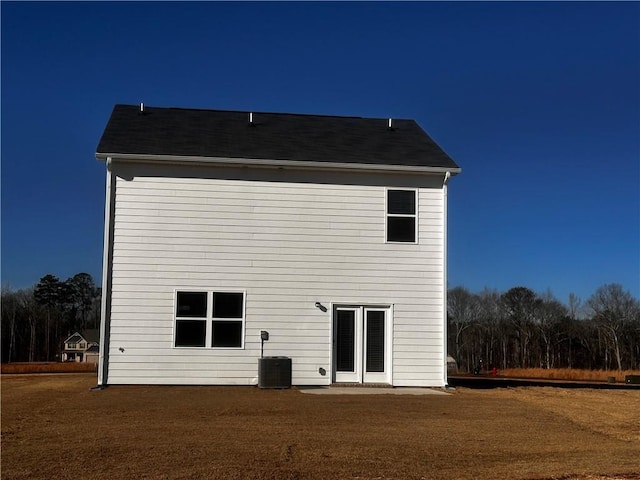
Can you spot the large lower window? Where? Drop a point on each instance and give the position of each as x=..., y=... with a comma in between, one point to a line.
x=401, y=216
x=213, y=319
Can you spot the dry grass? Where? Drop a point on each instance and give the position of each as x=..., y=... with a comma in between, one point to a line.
x=55, y=427
x=48, y=367
x=606, y=414
x=567, y=374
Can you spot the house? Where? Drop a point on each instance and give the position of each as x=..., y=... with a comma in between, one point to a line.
x=92, y=355
x=329, y=233
x=82, y=347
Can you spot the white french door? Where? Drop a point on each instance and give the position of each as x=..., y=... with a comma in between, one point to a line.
x=362, y=344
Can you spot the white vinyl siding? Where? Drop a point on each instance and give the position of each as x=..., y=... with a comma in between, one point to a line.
x=286, y=245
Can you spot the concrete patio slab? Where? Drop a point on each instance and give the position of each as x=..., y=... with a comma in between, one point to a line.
x=371, y=391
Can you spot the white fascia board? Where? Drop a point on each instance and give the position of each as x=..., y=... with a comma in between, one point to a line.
x=269, y=163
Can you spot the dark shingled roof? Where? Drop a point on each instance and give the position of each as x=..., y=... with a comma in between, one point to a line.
x=91, y=335
x=272, y=136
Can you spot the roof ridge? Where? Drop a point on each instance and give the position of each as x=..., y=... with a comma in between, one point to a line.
x=355, y=117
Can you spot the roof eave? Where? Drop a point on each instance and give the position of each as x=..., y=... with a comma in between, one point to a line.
x=271, y=163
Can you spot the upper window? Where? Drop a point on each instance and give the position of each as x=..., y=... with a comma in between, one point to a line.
x=401, y=216
x=209, y=318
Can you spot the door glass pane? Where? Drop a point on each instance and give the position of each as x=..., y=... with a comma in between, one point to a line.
x=345, y=340
x=375, y=341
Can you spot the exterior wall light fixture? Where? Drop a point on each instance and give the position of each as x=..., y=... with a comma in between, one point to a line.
x=321, y=307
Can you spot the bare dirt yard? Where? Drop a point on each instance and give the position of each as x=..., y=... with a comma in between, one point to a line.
x=54, y=427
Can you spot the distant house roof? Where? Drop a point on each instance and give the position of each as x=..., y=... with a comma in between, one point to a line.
x=194, y=133
x=74, y=338
x=93, y=349
x=91, y=336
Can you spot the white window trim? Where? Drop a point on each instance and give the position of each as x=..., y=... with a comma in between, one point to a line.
x=209, y=317
x=403, y=215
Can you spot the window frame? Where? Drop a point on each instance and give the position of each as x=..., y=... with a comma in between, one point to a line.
x=211, y=319
x=400, y=215
x=208, y=318
x=177, y=318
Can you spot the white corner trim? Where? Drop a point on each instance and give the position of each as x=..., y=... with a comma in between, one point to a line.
x=444, y=278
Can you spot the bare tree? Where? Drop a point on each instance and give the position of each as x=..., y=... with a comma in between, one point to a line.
x=549, y=313
x=575, y=306
x=519, y=304
x=30, y=312
x=9, y=314
x=463, y=313
x=492, y=321
x=613, y=309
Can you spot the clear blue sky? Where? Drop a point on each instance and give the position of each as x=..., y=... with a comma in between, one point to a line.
x=538, y=102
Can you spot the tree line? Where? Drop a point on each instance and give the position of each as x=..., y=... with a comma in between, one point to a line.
x=515, y=329
x=37, y=320
x=522, y=329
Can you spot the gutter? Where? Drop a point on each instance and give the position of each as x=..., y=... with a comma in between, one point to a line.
x=105, y=317
x=269, y=163
x=444, y=274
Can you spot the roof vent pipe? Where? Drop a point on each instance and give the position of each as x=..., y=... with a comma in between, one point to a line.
x=141, y=107
x=250, y=118
x=390, y=126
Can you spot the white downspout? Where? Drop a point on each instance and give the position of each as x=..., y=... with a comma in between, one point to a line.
x=105, y=315
x=444, y=275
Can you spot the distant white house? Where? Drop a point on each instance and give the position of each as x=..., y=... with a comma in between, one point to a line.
x=330, y=233
x=82, y=347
